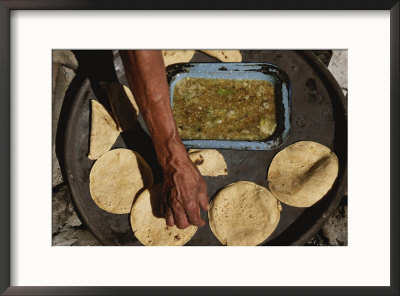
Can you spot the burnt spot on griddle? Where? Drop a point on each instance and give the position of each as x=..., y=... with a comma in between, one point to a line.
x=300, y=121
x=311, y=84
x=315, y=97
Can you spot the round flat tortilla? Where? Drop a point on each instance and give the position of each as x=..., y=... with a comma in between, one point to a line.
x=131, y=99
x=210, y=162
x=244, y=214
x=150, y=226
x=302, y=173
x=116, y=178
x=103, y=131
x=177, y=56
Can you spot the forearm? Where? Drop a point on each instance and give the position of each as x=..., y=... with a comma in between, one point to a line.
x=146, y=76
x=184, y=189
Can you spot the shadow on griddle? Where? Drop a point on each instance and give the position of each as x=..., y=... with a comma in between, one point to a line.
x=138, y=140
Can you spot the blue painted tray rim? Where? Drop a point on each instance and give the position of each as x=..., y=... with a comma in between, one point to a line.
x=263, y=71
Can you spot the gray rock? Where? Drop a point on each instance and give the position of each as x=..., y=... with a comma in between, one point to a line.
x=70, y=236
x=61, y=204
x=67, y=228
x=335, y=229
x=73, y=220
x=65, y=58
x=338, y=68
x=62, y=82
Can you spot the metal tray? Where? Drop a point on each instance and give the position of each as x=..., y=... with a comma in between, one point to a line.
x=318, y=114
x=255, y=71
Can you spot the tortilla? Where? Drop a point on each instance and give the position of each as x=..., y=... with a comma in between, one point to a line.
x=124, y=107
x=225, y=55
x=103, y=131
x=302, y=173
x=243, y=214
x=150, y=226
x=131, y=99
x=210, y=162
x=177, y=56
x=116, y=178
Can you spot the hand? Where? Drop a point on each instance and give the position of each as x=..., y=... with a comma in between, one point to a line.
x=184, y=192
x=184, y=189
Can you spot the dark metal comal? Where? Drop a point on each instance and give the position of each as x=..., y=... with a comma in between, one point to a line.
x=318, y=114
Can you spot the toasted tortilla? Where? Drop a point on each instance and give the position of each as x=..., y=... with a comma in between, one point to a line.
x=103, y=131
x=244, y=214
x=302, y=173
x=150, y=226
x=131, y=99
x=210, y=162
x=116, y=178
x=177, y=56
x=225, y=55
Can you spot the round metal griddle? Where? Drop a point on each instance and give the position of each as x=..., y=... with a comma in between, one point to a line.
x=318, y=114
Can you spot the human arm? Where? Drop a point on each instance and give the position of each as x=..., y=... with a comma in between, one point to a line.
x=184, y=189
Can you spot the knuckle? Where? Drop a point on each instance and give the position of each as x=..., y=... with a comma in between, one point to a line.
x=190, y=205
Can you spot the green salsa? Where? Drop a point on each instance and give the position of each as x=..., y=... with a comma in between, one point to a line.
x=228, y=109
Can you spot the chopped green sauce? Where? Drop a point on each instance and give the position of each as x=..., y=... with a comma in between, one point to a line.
x=225, y=109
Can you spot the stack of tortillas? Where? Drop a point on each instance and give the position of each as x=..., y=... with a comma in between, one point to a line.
x=149, y=225
x=243, y=214
x=116, y=178
x=177, y=56
x=302, y=173
x=184, y=56
x=104, y=130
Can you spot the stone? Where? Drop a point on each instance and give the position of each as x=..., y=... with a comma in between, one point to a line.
x=67, y=228
x=338, y=67
x=61, y=209
x=62, y=82
x=65, y=58
x=335, y=229
x=70, y=236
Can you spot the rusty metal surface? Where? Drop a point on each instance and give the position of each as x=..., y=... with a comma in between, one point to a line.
x=316, y=109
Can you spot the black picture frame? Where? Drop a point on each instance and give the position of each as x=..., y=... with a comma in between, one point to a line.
x=7, y=6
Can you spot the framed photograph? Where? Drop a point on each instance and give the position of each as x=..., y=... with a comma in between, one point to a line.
x=294, y=106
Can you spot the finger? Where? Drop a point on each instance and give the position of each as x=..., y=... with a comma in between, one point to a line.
x=169, y=217
x=179, y=214
x=196, y=221
x=202, y=196
x=193, y=214
x=203, y=201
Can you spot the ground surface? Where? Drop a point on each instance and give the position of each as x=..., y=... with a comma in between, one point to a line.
x=68, y=230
